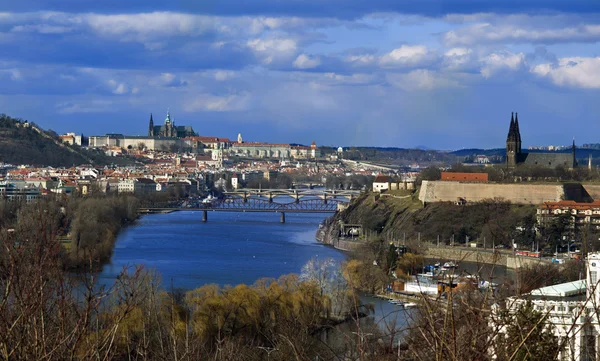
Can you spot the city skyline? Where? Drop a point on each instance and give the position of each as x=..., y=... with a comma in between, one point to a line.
x=445, y=75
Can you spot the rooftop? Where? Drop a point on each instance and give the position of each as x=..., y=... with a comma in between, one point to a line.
x=568, y=289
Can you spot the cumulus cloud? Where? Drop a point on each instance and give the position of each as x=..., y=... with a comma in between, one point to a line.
x=575, y=72
x=501, y=61
x=406, y=55
x=304, y=61
x=270, y=50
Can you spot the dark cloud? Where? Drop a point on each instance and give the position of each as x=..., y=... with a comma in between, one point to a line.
x=312, y=8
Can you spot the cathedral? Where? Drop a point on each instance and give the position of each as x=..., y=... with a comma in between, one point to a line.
x=169, y=129
x=515, y=156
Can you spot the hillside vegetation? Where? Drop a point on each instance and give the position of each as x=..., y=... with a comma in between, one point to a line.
x=26, y=143
x=399, y=217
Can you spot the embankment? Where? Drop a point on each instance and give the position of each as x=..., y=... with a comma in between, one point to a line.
x=503, y=258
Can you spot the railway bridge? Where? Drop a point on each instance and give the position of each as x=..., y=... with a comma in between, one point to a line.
x=262, y=200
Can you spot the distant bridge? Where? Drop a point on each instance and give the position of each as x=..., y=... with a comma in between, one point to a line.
x=263, y=200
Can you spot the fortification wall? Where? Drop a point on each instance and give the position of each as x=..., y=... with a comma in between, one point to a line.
x=443, y=191
x=593, y=190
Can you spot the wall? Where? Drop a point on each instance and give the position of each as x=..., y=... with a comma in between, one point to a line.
x=444, y=191
x=593, y=190
x=503, y=258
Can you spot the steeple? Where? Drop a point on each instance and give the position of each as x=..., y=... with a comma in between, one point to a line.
x=513, y=142
x=168, y=119
x=517, y=131
x=151, y=127
x=574, y=155
x=511, y=129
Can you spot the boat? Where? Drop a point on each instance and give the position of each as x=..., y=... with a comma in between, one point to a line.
x=396, y=302
x=448, y=266
x=410, y=305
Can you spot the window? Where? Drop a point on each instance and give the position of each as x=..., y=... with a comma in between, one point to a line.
x=593, y=278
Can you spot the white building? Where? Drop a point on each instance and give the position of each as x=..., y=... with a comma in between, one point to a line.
x=572, y=311
x=381, y=183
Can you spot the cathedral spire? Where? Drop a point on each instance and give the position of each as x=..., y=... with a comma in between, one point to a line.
x=511, y=129
x=517, y=131
x=151, y=127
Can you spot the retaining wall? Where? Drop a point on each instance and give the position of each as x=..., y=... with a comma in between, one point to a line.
x=444, y=191
x=481, y=256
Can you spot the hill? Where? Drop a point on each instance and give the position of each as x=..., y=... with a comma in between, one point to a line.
x=403, y=216
x=22, y=142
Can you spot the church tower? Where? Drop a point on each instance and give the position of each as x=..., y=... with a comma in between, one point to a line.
x=151, y=127
x=513, y=142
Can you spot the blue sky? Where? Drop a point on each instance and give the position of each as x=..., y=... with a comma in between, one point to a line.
x=446, y=74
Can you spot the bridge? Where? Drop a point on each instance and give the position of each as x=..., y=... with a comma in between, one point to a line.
x=262, y=200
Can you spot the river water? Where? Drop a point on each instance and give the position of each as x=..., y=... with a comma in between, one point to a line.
x=229, y=249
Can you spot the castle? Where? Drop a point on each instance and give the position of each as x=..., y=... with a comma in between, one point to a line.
x=515, y=156
x=169, y=129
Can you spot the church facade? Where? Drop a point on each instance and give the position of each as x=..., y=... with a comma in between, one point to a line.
x=169, y=129
x=515, y=156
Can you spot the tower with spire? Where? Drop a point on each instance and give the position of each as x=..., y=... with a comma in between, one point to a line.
x=151, y=127
x=513, y=142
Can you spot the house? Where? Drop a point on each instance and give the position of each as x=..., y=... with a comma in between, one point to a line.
x=570, y=311
x=381, y=183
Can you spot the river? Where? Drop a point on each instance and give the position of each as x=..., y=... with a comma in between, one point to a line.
x=229, y=249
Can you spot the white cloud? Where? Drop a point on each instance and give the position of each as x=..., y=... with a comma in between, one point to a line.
x=459, y=59
x=501, y=61
x=485, y=33
x=271, y=50
x=214, y=103
x=575, y=71
x=222, y=75
x=118, y=88
x=304, y=61
x=406, y=55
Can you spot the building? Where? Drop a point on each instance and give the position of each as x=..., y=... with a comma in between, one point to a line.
x=110, y=141
x=169, y=129
x=71, y=138
x=381, y=183
x=136, y=186
x=571, y=311
x=579, y=214
x=465, y=177
x=261, y=150
x=515, y=155
x=12, y=192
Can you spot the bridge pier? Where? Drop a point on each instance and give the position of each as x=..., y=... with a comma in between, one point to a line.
x=270, y=197
x=282, y=217
x=204, y=215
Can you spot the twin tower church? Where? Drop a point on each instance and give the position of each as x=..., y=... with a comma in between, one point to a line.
x=169, y=129
x=515, y=156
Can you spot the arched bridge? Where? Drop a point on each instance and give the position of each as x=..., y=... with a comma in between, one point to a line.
x=296, y=194
x=262, y=200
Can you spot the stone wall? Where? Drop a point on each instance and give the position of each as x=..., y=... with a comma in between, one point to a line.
x=502, y=258
x=444, y=191
x=593, y=190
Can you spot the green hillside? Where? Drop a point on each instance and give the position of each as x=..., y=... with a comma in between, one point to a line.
x=25, y=143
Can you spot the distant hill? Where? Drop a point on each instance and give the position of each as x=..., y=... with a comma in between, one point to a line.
x=478, y=151
x=22, y=142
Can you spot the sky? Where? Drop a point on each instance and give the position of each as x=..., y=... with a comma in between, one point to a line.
x=389, y=73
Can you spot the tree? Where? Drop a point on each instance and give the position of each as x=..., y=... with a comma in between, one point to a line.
x=526, y=336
